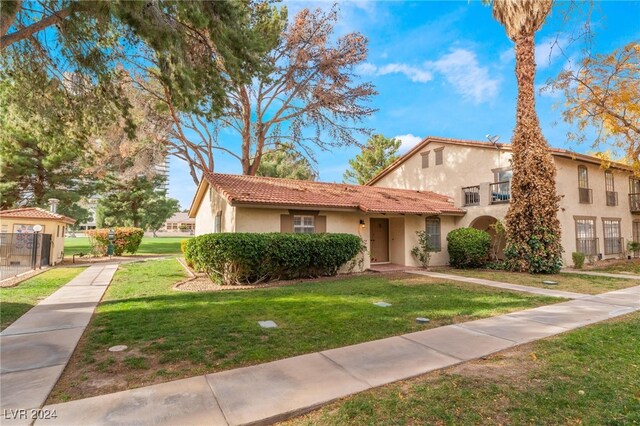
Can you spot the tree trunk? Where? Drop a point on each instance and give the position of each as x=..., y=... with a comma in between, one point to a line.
x=533, y=229
x=246, y=130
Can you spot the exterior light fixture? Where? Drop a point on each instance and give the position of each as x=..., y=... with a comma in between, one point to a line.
x=361, y=223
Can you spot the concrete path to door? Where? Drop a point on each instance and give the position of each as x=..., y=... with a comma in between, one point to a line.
x=266, y=393
x=497, y=284
x=36, y=348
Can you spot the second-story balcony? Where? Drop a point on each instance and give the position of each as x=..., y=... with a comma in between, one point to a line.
x=486, y=194
x=612, y=198
x=634, y=202
x=500, y=192
x=585, y=195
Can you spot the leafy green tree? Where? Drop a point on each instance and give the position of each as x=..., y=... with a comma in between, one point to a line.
x=287, y=164
x=196, y=44
x=134, y=203
x=377, y=154
x=157, y=211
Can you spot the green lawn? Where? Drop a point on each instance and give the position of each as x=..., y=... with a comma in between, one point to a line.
x=587, y=284
x=15, y=301
x=632, y=266
x=149, y=245
x=172, y=334
x=590, y=376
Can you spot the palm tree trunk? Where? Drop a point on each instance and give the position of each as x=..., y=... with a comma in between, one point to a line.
x=533, y=238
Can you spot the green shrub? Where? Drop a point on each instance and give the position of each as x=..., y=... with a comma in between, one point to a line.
x=250, y=258
x=468, y=248
x=578, y=259
x=126, y=240
x=422, y=252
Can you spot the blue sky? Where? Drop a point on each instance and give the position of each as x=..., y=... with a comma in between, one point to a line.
x=447, y=69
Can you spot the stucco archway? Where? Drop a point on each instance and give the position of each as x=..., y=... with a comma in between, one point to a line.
x=484, y=223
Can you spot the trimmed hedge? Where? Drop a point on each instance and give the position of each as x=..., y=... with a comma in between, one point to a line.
x=126, y=240
x=250, y=258
x=468, y=248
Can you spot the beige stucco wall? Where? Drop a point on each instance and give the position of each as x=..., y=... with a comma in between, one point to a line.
x=468, y=166
x=210, y=205
x=462, y=166
x=55, y=228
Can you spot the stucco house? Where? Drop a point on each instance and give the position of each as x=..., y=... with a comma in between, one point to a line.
x=386, y=219
x=17, y=228
x=439, y=185
x=599, y=206
x=180, y=222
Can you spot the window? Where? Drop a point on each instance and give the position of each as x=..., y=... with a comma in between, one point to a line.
x=636, y=231
x=438, y=156
x=503, y=175
x=304, y=224
x=433, y=230
x=584, y=192
x=217, y=223
x=612, y=240
x=612, y=195
x=425, y=159
x=586, y=241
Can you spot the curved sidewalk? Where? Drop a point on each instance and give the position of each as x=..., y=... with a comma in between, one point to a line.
x=265, y=393
x=35, y=349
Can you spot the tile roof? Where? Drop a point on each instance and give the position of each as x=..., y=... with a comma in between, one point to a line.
x=254, y=190
x=35, y=213
x=181, y=217
x=481, y=144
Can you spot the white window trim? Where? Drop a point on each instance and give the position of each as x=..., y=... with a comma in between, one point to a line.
x=300, y=229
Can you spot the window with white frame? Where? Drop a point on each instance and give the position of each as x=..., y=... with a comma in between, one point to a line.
x=303, y=224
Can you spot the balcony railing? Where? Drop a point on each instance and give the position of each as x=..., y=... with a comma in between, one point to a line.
x=585, y=195
x=500, y=192
x=613, y=245
x=588, y=246
x=471, y=195
x=612, y=198
x=634, y=202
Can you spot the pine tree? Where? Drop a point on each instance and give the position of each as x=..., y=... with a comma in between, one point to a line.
x=376, y=155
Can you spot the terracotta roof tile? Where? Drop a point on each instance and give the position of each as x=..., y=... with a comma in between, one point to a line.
x=239, y=189
x=35, y=213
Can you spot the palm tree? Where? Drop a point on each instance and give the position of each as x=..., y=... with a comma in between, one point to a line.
x=533, y=229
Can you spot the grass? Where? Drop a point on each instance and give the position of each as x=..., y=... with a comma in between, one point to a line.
x=149, y=245
x=181, y=334
x=632, y=266
x=588, y=376
x=587, y=284
x=15, y=301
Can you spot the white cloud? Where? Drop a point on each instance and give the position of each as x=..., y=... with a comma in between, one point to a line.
x=507, y=56
x=549, y=49
x=408, y=142
x=415, y=74
x=462, y=70
x=366, y=68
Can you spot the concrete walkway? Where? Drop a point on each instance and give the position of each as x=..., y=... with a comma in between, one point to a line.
x=278, y=390
x=497, y=284
x=601, y=274
x=36, y=348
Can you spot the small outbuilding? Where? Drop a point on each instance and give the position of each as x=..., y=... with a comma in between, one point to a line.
x=17, y=229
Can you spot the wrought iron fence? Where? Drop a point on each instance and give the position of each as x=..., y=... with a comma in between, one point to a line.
x=471, y=195
x=22, y=252
x=501, y=192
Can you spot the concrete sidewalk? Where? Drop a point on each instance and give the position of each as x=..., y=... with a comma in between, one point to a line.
x=274, y=391
x=36, y=348
x=497, y=284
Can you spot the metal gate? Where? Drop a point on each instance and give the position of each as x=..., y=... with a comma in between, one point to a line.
x=22, y=252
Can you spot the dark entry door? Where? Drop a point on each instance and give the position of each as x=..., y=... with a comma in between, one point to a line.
x=45, y=253
x=379, y=240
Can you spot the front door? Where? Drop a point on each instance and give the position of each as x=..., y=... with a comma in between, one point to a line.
x=379, y=240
